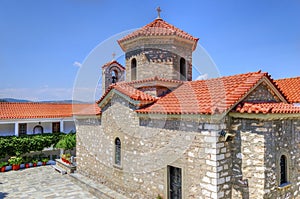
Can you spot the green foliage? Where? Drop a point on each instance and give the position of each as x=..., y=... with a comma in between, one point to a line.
x=2, y=164
x=15, y=160
x=16, y=146
x=27, y=159
x=67, y=142
x=45, y=159
x=159, y=197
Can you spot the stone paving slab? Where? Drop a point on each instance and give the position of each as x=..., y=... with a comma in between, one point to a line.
x=40, y=182
x=97, y=189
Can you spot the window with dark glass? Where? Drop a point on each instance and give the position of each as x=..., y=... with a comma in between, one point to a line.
x=22, y=129
x=56, y=127
x=133, y=69
x=174, y=183
x=283, y=169
x=182, y=69
x=117, y=151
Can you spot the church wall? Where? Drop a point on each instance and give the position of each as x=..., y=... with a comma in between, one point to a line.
x=262, y=93
x=157, y=53
x=283, y=138
x=147, y=151
x=256, y=152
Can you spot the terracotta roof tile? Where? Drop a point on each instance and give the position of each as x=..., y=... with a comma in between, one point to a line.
x=134, y=93
x=156, y=78
x=205, y=96
x=114, y=62
x=158, y=27
x=291, y=88
x=129, y=91
x=11, y=110
x=267, y=108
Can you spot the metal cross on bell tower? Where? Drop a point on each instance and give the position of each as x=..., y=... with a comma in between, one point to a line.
x=113, y=55
x=158, y=12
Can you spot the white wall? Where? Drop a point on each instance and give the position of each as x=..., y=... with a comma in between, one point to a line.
x=7, y=129
x=47, y=126
x=69, y=126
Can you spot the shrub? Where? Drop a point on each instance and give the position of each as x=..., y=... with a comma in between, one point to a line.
x=16, y=146
x=68, y=142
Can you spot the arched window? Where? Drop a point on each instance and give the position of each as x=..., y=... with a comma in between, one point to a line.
x=117, y=151
x=133, y=69
x=38, y=129
x=114, y=76
x=182, y=69
x=283, y=169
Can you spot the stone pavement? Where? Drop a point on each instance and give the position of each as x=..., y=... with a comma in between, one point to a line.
x=40, y=182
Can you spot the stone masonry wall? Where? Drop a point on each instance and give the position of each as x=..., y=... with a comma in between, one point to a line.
x=148, y=151
x=282, y=138
x=258, y=146
x=248, y=150
x=162, y=55
x=262, y=93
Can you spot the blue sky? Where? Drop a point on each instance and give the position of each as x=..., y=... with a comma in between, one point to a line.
x=41, y=40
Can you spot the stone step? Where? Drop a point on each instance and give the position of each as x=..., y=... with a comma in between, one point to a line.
x=97, y=189
x=60, y=170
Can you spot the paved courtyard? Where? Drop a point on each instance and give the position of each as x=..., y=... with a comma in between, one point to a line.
x=39, y=182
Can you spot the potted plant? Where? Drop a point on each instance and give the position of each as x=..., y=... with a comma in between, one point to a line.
x=3, y=166
x=44, y=161
x=34, y=162
x=15, y=161
x=66, y=158
x=27, y=161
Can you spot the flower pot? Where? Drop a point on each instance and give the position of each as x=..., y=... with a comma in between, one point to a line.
x=44, y=163
x=34, y=164
x=15, y=167
x=27, y=165
x=8, y=168
x=22, y=166
x=2, y=169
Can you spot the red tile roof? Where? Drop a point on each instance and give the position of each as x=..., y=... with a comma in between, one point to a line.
x=11, y=110
x=291, y=88
x=158, y=27
x=152, y=79
x=114, y=62
x=267, y=108
x=129, y=91
x=206, y=96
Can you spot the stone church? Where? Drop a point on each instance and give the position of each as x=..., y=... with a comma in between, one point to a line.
x=162, y=135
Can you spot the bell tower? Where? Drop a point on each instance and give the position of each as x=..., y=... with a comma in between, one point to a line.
x=158, y=49
x=112, y=72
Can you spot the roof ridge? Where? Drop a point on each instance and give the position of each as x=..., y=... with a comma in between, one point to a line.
x=158, y=23
x=151, y=79
x=287, y=78
x=248, y=73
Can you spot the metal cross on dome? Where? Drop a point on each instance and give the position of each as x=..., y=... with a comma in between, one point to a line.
x=158, y=12
x=113, y=55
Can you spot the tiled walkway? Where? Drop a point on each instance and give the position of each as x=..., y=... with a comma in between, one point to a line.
x=39, y=182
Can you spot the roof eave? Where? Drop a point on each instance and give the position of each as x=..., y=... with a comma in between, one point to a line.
x=262, y=116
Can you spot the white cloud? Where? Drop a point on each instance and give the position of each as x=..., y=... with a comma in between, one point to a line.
x=202, y=77
x=78, y=64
